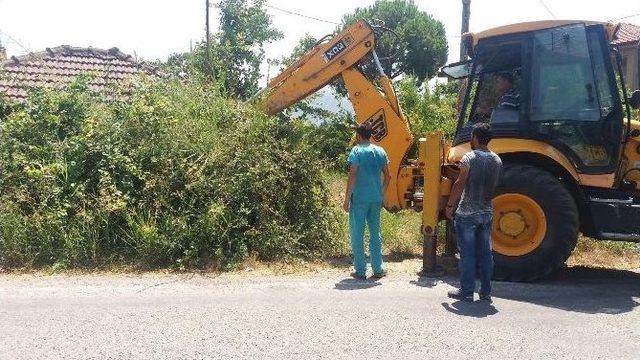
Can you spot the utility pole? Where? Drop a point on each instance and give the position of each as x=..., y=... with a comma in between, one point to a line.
x=466, y=14
x=3, y=53
x=206, y=40
x=450, y=243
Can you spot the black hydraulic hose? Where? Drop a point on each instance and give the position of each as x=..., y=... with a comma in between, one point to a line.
x=379, y=29
x=322, y=39
x=388, y=30
x=624, y=92
x=630, y=170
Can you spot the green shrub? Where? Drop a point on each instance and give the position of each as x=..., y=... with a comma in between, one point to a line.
x=429, y=109
x=332, y=139
x=174, y=176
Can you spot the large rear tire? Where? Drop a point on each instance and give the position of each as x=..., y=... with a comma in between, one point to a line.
x=535, y=225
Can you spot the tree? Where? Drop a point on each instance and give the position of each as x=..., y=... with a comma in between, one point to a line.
x=236, y=50
x=304, y=44
x=416, y=47
x=429, y=109
x=245, y=27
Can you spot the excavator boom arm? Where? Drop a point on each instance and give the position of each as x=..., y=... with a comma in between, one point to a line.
x=375, y=104
x=319, y=66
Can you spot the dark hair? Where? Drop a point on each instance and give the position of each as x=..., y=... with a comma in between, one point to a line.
x=364, y=130
x=506, y=75
x=482, y=132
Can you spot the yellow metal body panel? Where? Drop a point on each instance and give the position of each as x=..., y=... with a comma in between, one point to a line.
x=319, y=66
x=530, y=26
x=632, y=155
x=601, y=180
x=406, y=184
x=506, y=146
x=389, y=128
x=431, y=151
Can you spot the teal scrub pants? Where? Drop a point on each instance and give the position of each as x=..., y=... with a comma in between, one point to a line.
x=358, y=214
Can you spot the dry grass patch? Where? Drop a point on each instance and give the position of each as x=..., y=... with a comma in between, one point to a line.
x=607, y=254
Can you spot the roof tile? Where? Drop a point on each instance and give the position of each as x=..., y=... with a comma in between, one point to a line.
x=626, y=34
x=59, y=66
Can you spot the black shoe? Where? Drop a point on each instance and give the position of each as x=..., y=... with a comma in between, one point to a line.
x=457, y=294
x=486, y=297
x=355, y=275
x=379, y=275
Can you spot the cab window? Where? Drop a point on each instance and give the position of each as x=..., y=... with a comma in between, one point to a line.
x=562, y=80
x=572, y=95
x=497, y=87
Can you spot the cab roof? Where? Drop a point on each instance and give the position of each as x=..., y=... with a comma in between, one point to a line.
x=530, y=26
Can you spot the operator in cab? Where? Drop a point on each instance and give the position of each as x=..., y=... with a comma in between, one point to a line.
x=510, y=98
x=508, y=103
x=368, y=180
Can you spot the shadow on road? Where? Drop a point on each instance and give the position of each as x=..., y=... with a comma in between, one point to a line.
x=394, y=257
x=579, y=289
x=355, y=284
x=478, y=309
x=425, y=282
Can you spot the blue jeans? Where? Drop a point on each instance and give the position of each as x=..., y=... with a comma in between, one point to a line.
x=473, y=236
x=359, y=213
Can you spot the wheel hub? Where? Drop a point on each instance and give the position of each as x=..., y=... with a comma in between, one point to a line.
x=512, y=223
x=519, y=225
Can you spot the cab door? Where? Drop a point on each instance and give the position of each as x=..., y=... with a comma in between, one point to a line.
x=574, y=104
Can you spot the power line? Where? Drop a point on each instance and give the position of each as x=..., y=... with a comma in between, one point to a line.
x=547, y=8
x=301, y=15
x=624, y=17
x=13, y=40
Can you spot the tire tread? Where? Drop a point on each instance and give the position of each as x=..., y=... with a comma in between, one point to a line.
x=556, y=247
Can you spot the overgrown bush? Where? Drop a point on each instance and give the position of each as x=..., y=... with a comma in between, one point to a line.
x=332, y=139
x=429, y=109
x=175, y=176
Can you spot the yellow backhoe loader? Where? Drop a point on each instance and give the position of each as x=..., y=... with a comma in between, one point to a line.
x=570, y=148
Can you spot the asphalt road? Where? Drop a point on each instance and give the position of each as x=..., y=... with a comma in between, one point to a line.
x=584, y=314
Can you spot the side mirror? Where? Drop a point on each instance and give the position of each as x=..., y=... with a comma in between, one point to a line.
x=634, y=99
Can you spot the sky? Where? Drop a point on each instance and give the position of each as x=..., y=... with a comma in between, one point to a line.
x=154, y=29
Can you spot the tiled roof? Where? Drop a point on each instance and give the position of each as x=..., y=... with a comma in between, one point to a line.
x=626, y=33
x=61, y=65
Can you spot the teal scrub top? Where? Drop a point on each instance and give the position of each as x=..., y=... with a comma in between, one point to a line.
x=370, y=160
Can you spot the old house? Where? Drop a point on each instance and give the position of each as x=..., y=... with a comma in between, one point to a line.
x=627, y=37
x=58, y=66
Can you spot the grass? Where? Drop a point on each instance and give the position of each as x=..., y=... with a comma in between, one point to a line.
x=400, y=231
x=606, y=254
x=402, y=240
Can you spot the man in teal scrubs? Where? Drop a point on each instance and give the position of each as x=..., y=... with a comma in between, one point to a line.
x=368, y=180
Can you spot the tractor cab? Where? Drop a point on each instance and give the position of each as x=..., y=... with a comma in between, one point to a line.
x=555, y=84
x=553, y=92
